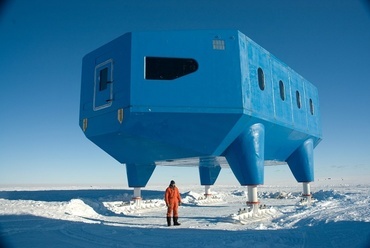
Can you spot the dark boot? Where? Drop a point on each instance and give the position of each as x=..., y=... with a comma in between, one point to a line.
x=168, y=221
x=175, y=223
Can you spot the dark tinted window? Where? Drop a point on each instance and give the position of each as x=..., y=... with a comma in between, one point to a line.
x=160, y=68
x=298, y=97
x=311, y=107
x=282, y=90
x=261, y=79
x=103, y=79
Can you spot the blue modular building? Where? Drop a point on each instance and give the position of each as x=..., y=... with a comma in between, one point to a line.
x=158, y=96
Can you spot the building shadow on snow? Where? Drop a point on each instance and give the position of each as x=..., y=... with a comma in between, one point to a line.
x=32, y=231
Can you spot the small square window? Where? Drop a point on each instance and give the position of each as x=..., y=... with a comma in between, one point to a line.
x=219, y=44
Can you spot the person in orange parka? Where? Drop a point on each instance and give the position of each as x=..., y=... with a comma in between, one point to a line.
x=173, y=200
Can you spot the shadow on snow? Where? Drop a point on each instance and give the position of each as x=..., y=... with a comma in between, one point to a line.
x=33, y=231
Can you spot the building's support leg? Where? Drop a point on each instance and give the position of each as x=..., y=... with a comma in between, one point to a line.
x=301, y=164
x=137, y=196
x=252, y=202
x=207, y=191
x=306, y=192
x=246, y=159
x=138, y=176
x=209, y=169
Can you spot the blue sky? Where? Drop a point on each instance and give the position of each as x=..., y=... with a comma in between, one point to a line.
x=41, y=48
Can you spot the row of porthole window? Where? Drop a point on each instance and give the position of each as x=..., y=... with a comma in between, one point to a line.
x=261, y=84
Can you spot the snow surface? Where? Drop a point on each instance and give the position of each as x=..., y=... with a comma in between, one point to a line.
x=97, y=217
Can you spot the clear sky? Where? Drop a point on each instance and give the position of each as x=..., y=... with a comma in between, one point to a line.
x=41, y=48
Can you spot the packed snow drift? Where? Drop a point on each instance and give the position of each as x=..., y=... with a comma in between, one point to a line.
x=339, y=216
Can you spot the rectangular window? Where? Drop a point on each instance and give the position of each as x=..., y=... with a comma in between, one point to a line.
x=103, y=85
x=103, y=79
x=161, y=68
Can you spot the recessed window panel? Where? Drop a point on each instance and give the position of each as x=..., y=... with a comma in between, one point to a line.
x=161, y=68
x=103, y=79
x=261, y=79
x=282, y=90
x=312, y=110
x=298, y=97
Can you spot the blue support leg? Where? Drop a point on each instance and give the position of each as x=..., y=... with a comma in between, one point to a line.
x=138, y=176
x=246, y=155
x=246, y=159
x=301, y=164
x=209, y=169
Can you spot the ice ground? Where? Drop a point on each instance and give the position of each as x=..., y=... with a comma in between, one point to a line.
x=70, y=217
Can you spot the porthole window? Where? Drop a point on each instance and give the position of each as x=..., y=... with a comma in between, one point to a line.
x=311, y=107
x=261, y=79
x=298, y=97
x=282, y=90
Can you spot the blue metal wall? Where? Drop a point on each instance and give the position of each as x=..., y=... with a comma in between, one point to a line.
x=140, y=120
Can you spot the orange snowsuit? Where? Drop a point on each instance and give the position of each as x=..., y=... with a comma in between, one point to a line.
x=173, y=199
